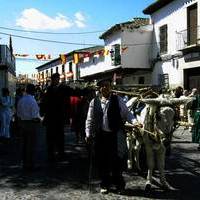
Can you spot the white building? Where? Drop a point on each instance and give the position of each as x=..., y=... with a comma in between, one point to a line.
x=7, y=70
x=176, y=42
x=67, y=65
x=126, y=56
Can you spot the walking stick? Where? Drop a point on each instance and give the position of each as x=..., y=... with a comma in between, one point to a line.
x=91, y=155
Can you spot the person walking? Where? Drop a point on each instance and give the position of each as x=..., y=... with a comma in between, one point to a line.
x=6, y=113
x=195, y=113
x=28, y=114
x=54, y=107
x=105, y=123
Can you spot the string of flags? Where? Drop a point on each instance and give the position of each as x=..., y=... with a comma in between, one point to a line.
x=78, y=57
x=37, y=56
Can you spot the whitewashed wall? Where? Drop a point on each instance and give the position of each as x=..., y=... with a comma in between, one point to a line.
x=136, y=56
x=54, y=66
x=102, y=63
x=138, y=42
x=134, y=78
x=175, y=16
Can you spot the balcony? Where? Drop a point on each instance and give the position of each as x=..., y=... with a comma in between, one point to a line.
x=7, y=61
x=188, y=41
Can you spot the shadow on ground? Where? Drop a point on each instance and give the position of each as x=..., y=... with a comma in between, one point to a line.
x=182, y=171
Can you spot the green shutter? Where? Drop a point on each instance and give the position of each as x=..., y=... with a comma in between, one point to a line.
x=117, y=54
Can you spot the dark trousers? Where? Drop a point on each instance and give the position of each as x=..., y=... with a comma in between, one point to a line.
x=29, y=134
x=108, y=162
x=55, y=139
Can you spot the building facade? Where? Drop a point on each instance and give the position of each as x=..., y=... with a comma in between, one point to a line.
x=176, y=43
x=7, y=70
x=126, y=54
x=67, y=65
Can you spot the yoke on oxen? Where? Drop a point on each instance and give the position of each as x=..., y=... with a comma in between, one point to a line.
x=157, y=118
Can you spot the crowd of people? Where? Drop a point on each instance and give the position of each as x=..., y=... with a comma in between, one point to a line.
x=96, y=117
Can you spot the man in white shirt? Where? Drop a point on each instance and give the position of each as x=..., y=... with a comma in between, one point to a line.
x=105, y=123
x=28, y=114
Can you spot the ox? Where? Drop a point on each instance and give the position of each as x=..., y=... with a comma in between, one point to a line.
x=157, y=118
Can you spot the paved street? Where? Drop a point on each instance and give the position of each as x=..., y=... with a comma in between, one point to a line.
x=69, y=179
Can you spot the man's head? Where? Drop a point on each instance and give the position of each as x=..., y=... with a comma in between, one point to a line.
x=30, y=89
x=55, y=79
x=104, y=87
x=194, y=91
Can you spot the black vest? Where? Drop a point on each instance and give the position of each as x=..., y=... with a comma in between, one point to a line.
x=114, y=117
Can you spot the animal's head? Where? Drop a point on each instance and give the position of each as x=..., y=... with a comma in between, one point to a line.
x=160, y=117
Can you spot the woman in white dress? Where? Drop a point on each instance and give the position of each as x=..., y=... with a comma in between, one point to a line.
x=6, y=104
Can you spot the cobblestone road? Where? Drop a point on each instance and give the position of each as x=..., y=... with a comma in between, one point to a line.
x=69, y=179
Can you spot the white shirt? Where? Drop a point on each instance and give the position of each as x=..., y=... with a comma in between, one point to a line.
x=126, y=115
x=27, y=108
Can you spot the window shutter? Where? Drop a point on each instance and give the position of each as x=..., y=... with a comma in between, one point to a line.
x=163, y=39
x=117, y=54
x=192, y=24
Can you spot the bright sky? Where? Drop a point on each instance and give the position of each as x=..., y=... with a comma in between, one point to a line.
x=61, y=16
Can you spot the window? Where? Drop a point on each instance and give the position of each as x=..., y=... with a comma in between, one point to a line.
x=192, y=24
x=164, y=81
x=56, y=69
x=163, y=39
x=51, y=71
x=115, y=54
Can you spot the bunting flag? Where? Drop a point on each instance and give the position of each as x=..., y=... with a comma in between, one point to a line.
x=101, y=52
x=43, y=57
x=124, y=49
x=76, y=58
x=87, y=54
x=21, y=55
x=106, y=52
x=63, y=58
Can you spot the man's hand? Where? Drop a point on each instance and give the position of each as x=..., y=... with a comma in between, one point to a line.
x=138, y=125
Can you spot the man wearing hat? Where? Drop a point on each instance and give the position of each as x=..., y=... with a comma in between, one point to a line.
x=55, y=106
x=106, y=116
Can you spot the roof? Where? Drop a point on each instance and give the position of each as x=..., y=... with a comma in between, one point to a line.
x=156, y=6
x=89, y=49
x=47, y=63
x=135, y=23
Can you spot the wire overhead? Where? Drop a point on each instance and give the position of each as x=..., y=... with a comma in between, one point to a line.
x=52, y=41
x=72, y=43
x=52, y=33
x=32, y=59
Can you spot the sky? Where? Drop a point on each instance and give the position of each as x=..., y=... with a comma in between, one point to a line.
x=60, y=16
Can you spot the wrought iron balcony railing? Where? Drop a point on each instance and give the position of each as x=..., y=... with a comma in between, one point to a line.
x=187, y=38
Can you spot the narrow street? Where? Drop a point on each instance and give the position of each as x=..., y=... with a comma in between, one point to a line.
x=69, y=179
